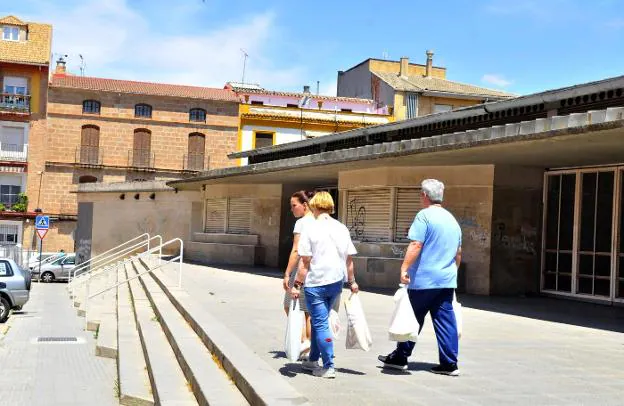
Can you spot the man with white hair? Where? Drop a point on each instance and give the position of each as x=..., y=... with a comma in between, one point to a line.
x=430, y=272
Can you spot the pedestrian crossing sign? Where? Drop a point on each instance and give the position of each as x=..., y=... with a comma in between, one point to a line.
x=42, y=222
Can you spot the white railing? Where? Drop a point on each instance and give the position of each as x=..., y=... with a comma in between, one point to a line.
x=13, y=152
x=102, y=262
x=98, y=258
x=179, y=258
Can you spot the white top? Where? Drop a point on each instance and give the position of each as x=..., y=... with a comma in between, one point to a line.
x=329, y=243
x=302, y=222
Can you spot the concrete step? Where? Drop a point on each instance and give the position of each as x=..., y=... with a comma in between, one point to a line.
x=209, y=382
x=106, y=343
x=169, y=385
x=134, y=382
x=258, y=381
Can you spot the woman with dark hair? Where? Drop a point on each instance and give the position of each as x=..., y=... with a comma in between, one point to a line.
x=299, y=208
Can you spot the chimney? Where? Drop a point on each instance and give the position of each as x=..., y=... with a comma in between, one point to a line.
x=404, y=67
x=60, y=67
x=429, y=70
x=306, y=89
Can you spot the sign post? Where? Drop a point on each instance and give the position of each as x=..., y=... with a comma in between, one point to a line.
x=42, y=224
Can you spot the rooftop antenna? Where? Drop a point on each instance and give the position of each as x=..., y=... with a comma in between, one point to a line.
x=83, y=65
x=245, y=55
x=384, y=55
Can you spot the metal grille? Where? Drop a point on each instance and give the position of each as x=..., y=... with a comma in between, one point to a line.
x=215, y=215
x=368, y=214
x=407, y=205
x=239, y=216
x=8, y=234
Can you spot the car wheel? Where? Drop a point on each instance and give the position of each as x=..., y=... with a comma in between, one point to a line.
x=5, y=307
x=47, y=277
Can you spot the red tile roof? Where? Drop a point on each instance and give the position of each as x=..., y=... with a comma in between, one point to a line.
x=146, y=88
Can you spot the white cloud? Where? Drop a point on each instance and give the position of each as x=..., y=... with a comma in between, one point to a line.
x=117, y=41
x=496, y=80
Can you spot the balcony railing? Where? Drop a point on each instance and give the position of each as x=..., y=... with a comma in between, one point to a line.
x=89, y=155
x=141, y=158
x=196, y=162
x=14, y=103
x=14, y=152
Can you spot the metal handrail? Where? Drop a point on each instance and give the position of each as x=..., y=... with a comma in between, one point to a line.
x=115, y=256
x=179, y=258
x=83, y=265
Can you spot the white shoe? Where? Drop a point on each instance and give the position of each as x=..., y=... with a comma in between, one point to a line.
x=310, y=365
x=329, y=373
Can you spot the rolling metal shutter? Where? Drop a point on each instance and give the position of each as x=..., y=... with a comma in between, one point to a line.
x=215, y=215
x=239, y=215
x=368, y=214
x=407, y=205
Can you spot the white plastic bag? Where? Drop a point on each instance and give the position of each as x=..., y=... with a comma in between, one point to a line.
x=457, y=309
x=334, y=324
x=403, y=324
x=292, y=344
x=358, y=334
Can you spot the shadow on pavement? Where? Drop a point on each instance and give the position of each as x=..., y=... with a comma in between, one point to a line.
x=278, y=354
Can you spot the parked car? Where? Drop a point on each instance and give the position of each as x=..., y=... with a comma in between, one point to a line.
x=57, y=269
x=34, y=259
x=15, y=285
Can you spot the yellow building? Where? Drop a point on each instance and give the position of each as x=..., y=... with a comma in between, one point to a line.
x=24, y=63
x=410, y=90
x=270, y=118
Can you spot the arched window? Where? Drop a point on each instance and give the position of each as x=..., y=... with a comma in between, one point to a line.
x=87, y=179
x=91, y=107
x=197, y=115
x=143, y=110
x=195, y=160
x=141, y=153
x=90, y=145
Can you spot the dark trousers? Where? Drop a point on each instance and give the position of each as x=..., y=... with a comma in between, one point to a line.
x=438, y=302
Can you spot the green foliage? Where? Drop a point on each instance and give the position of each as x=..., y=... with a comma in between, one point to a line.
x=22, y=203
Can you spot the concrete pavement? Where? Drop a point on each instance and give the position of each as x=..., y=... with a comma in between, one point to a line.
x=57, y=373
x=505, y=358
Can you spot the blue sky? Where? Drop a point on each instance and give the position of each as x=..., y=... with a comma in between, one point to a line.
x=521, y=46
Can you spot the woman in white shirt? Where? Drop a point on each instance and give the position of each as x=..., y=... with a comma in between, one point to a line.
x=325, y=248
x=300, y=209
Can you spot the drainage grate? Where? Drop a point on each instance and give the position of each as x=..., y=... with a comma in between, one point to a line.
x=56, y=339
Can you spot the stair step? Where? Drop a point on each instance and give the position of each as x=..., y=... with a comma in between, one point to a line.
x=134, y=383
x=259, y=382
x=209, y=381
x=168, y=382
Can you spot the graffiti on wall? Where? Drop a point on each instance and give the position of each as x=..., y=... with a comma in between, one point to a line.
x=356, y=219
x=522, y=242
x=398, y=251
x=83, y=250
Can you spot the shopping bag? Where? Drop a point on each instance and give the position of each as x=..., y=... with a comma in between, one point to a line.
x=358, y=334
x=457, y=309
x=294, y=326
x=334, y=324
x=403, y=324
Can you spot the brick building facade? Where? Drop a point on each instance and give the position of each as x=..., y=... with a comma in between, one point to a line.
x=106, y=130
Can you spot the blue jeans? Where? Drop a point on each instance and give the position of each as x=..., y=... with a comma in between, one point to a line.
x=438, y=302
x=319, y=300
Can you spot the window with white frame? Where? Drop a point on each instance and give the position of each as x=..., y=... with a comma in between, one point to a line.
x=12, y=139
x=10, y=33
x=10, y=188
x=9, y=233
x=15, y=85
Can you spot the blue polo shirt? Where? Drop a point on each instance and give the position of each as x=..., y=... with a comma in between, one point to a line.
x=440, y=234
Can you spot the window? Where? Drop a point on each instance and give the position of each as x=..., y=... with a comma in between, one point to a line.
x=8, y=234
x=15, y=85
x=91, y=107
x=441, y=108
x=71, y=260
x=292, y=105
x=5, y=269
x=411, y=104
x=10, y=33
x=87, y=179
x=9, y=194
x=90, y=145
x=196, y=152
x=197, y=115
x=257, y=102
x=141, y=154
x=347, y=110
x=263, y=140
x=143, y=110
x=12, y=141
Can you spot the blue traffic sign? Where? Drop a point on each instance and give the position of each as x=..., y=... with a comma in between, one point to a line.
x=42, y=222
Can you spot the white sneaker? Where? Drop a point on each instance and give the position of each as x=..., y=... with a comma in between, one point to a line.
x=329, y=373
x=310, y=365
